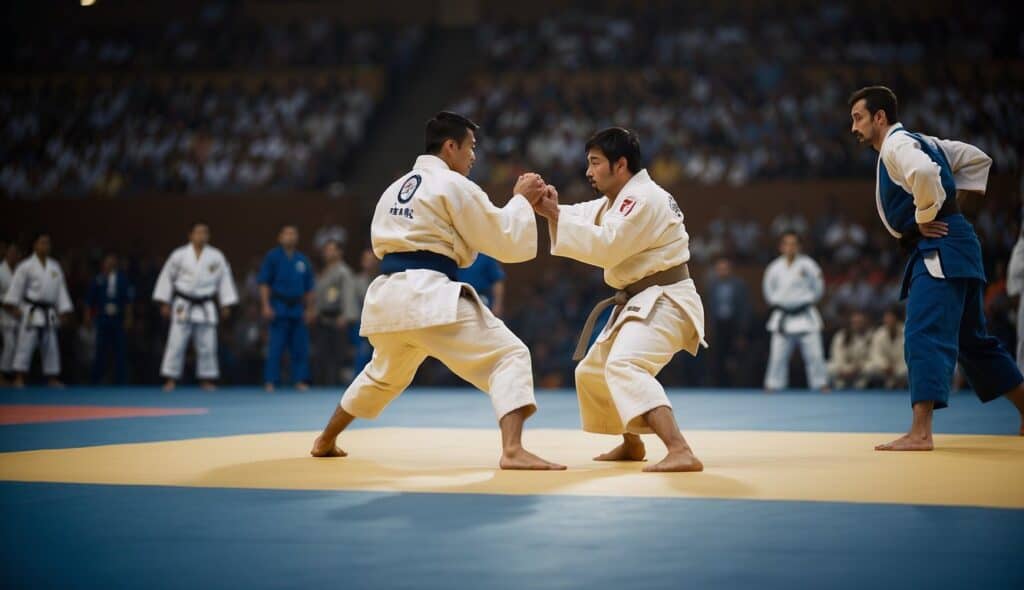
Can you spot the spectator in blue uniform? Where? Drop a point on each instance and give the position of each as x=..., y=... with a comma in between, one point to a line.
x=286, y=292
x=109, y=307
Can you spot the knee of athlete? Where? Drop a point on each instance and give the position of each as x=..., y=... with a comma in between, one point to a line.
x=516, y=354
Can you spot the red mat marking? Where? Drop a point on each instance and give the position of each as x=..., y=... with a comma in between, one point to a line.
x=29, y=414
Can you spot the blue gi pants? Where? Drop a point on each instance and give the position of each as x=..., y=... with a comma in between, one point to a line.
x=290, y=333
x=109, y=336
x=946, y=321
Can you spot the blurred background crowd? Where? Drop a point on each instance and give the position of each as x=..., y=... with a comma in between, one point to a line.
x=740, y=108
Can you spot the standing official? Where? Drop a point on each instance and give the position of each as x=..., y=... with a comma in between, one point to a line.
x=286, y=294
x=109, y=308
x=8, y=321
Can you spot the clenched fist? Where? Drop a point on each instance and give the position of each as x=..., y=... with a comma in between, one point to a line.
x=531, y=186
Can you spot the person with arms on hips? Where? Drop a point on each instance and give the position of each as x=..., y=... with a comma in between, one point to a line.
x=634, y=232
x=109, y=308
x=919, y=180
x=8, y=321
x=792, y=285
x=195, y=279
x=426, y=225
x=38, y=297
x=288, y=301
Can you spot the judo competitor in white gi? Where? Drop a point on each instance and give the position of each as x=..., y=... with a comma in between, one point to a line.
x=38, y=296
x=634, y=232
x=1015, y=288
x=8, y=322
x=427, y=224
x=792, y=285
x=195, y=279
x=919, y=180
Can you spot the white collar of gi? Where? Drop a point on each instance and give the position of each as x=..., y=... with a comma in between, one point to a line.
x=896, y=127
x=430, y=161
x=641, y=177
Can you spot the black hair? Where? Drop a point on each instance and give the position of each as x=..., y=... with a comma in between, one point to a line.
x=444, y=126
x=196, y=224
x=878, y=98
x=615, y=143
x=36, y=236
x=791, y=232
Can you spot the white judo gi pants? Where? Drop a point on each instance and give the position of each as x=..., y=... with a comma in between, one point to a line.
x=777, y=375
x=204, y=338
x=28, y=338
x=10, y=340
x=616, y=381
x=490, y=357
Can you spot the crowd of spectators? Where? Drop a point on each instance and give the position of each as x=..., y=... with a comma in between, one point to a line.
x=730, y=98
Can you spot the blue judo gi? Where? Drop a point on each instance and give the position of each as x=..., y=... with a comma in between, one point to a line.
x=943, y=284
x=289, y=279
x=109, y=302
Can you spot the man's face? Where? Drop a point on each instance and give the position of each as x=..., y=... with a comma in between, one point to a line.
x=599, y=171
x=789, y=245
x=723, y=268
x=865, y=127
x=858, y=322
x=200, y=235
x=331, y=253
x=109, y=264
x=462, y=156
x=289, y=237
x=42, y=246
x=11, y=254
x=890, y=320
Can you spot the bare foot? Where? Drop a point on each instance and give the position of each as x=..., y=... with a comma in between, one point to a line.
x=301, y=386
x=208, y=386
x=908, y=442
x=323, y=448
x=624, y=452
x=523, y=459
x=268, y=387
x=168, y=386
x=678, y=461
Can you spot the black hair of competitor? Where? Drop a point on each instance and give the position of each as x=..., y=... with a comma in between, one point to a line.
x=878, y=98
x=615, y=143
x=196, y=224
x=444, y=126
x=36, y=236
x=791, y=232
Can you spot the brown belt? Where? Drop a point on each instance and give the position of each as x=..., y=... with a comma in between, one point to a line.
x=669, y=276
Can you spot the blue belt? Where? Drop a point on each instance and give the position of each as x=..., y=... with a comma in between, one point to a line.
x=420, y=259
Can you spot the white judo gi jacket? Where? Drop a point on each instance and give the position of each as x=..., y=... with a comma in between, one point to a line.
x=436, y=209
x=207, y=275
x=793, y=290
x=39, y=282
x=6, y=276
x=638, y=234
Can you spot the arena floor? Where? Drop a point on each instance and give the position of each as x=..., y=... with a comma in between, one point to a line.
x=128, y=488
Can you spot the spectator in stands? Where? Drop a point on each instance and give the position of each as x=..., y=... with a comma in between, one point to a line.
x=851, y=346
x=886, y=365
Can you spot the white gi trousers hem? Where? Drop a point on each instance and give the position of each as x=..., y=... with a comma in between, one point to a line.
x=10, y=338
x=485, y=353
x=204, y=338
x=777, y=375
x=616, y=382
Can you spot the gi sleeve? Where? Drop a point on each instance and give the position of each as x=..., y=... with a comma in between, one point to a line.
x=266, y=274
x=816, y=281
x=606, y=245
x=226, y=292
x=508, y=234
x=970, y=165
x=164, y=289
x=17, y=288
x=1015, y=270
x=63, y=298
x=921, y=176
